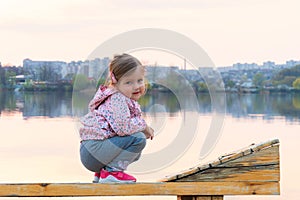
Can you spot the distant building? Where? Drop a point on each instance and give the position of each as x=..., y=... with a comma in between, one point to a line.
x=57, y=70
x=54, y=71
x=20, y=79
x=97, y=67
x=268, y=65
x=245, y=66
x=45, y=70
x=292, y=63
x=159, y=72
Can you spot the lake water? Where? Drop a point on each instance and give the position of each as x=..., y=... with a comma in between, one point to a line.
x=40, y=142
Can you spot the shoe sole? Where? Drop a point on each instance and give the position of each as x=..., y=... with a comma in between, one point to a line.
x=96, y=180
x=112, y=179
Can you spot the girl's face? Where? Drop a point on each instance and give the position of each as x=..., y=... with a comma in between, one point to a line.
x=132, y=85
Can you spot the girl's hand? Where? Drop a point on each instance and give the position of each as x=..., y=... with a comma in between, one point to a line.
x=149, y=132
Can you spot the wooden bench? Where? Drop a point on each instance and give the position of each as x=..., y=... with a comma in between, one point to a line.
x=254, y=170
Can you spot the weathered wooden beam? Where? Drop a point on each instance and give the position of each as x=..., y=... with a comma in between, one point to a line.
x=139, y=189
x=199, y=197
x=256, y=163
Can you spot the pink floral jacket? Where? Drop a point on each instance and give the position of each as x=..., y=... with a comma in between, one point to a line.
x=111, y=113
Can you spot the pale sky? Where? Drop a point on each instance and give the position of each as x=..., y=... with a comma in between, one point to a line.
x=230, y=31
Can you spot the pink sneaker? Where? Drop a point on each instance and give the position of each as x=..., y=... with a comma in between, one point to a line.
x=116, y=176
x=96, y=177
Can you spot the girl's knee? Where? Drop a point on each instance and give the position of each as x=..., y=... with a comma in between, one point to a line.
x=140, y=139
x=139, y=135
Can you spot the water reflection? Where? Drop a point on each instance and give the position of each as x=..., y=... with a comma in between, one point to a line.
x=267, y=106
x=31, y=104
x=57, y=104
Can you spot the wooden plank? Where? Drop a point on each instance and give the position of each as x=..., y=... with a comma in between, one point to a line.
x=262, y=166
x=258, y=174
x=268, y=156
x=256, y=163
x=199, y=197
x=138, y=189
x=249, y=150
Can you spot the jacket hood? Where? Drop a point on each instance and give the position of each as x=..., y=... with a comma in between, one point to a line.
x=101, y=95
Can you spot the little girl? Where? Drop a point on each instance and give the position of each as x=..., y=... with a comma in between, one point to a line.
x=113, y=133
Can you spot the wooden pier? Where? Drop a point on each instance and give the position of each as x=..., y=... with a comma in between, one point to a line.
x=254, y=170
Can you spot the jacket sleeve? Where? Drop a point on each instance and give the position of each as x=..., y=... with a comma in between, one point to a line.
x=121, y=120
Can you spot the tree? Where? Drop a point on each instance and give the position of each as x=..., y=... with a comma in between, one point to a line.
x=48, y=73
x=101, y=81
x=244, y=78
x=2, y=76
x=258, y=80
x=230, y=84
x=296, y=84
x=287, y=76
x=80, y=82
x=70, y=77
x=10, y=78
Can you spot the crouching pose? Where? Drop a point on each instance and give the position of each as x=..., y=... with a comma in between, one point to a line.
x=114, y=133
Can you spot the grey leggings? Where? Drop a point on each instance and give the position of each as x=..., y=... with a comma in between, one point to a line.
x=115, y=153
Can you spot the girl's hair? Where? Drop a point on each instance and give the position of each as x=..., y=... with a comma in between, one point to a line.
x=122, y=65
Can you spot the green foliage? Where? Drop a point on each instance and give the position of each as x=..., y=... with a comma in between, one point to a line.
x=145, y=100
x=101, y=81
x=28, y=85
x=244, y=78
x=174, y=81
x=230, y=84
x=2, y=76
x=287, y=76
x=258, y=79
x=47, y=73
x=80, y=82
x=70, y=77
x=296, y=84
x=10, y=78
x=202, y=87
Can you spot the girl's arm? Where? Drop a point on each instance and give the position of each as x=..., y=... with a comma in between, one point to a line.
x=149, y=132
